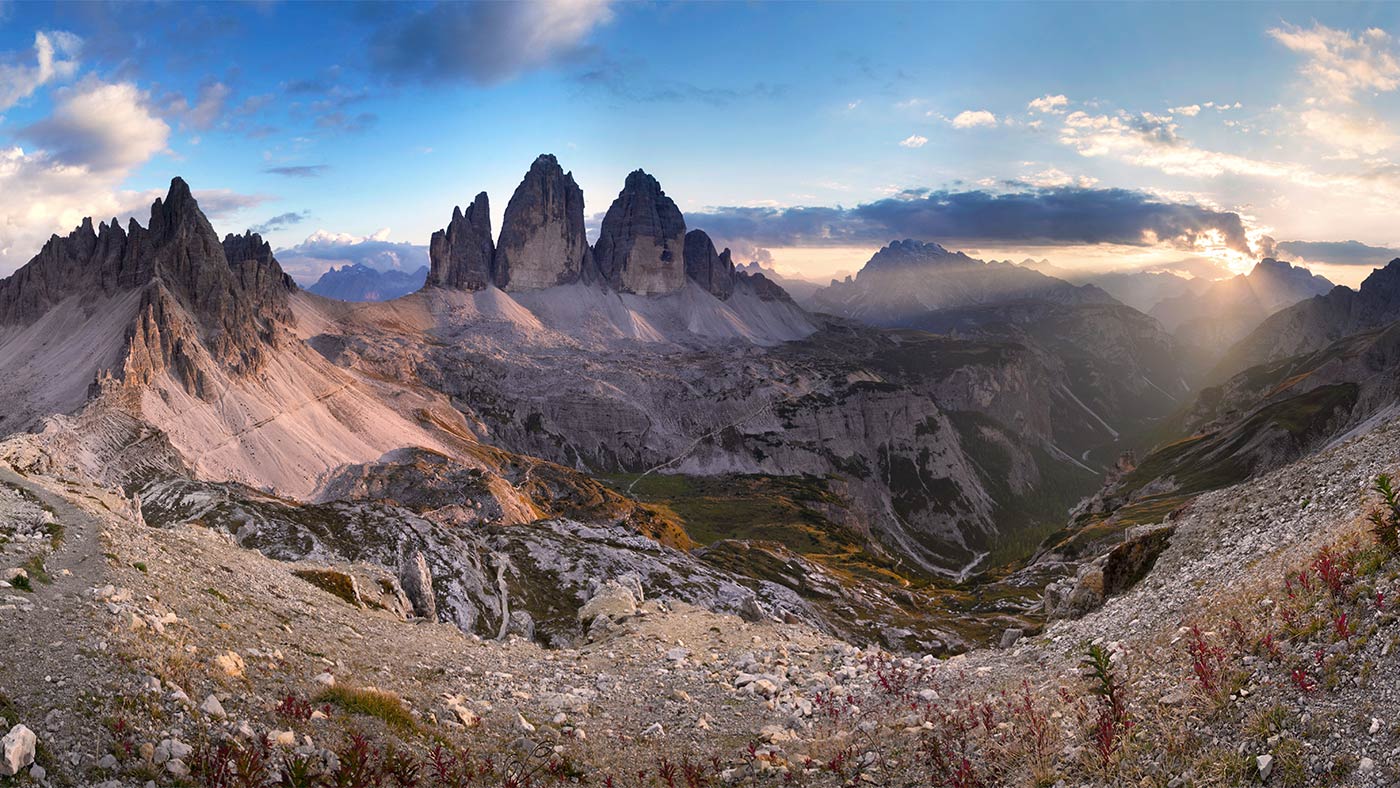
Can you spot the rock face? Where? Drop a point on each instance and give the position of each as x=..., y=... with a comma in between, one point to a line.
x=642, y=239
x=543, y=242
x=718, y=275
x=710, y=270
x=463, y=255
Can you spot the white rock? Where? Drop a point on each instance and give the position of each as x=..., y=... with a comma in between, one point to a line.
x=1367, y=765
x=213, y=708
x=325, y=679
x=17, y=750
x=1265, y=764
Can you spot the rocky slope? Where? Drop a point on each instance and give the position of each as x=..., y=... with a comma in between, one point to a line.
x=356, y=282
x=1318, y=321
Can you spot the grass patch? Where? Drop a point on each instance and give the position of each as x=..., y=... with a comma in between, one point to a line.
x=36, y=570
x=216, y=593
x=22, y=583
x=140, y=566
x=381, y=705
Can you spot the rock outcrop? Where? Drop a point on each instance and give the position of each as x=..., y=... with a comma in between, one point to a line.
x=642, y=239
x=463, y=255
x=543, y=242
x=709, y=269
x=717, y=274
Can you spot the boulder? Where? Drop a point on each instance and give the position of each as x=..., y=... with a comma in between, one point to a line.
x=641, y=243
x=543, y=242
x=417, y=582
x=17, y=750
x=612, y=599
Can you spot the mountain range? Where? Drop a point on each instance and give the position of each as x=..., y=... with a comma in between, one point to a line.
x=359, y=282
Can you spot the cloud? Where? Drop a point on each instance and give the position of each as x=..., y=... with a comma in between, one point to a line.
x=1338, y=252
x=486, y=42
x=1340, y=64
x=344, y=121
x=624, y=81
x=101, y=127
x=1190, y=110
x=280, y=221
x=299, y=171
x=969, y=118
x=1048, y=216
x=914, y=141
x=1053, y=105
x=1351, y=134
x=323, y=250
x=55, y=55
x=207, y=109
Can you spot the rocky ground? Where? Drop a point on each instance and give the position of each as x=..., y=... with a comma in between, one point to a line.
x=141, y=655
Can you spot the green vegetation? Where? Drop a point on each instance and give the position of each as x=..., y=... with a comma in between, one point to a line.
x=381, y=705
x=140, y=566
x=35, y=568
x=1385, y=518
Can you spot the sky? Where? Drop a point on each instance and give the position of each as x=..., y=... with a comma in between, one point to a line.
x=1194, y=137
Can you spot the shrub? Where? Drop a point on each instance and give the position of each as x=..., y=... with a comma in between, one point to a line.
x=1111, y=725
x=1385, y=518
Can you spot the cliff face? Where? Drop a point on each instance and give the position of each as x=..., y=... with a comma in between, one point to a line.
x=463, y=255
x=543, y=242
x=642, y=239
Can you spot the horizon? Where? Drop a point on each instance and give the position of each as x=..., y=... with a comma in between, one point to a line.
x=364, y=125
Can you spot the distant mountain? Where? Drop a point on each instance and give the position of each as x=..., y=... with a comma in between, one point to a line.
x=1313, y=324
x=1207, y=323
x=1144, y=290
x=357, y=282
x=907, y=279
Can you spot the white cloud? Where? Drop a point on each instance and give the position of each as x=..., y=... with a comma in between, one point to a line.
x=853, y=104
x=914, y=141
x=1351, y=135
x=55, y=55
x=969, y=118
x=100, y=126
x=1051, y=104
x=1190, y=110
x=96, y=136
x=1056, y=178
x=1341, y=64
x=323, y=250
x=208, y=108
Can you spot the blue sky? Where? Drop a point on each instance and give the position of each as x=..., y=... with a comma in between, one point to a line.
x=1093, y=135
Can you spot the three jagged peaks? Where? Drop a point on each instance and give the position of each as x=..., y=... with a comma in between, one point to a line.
x=642, y=246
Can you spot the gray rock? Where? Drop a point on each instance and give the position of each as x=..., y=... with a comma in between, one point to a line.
x=463, y=255
x=417, y=582
x=543, y=242
x=1011, y=636
x=641, y=242
x=707, y=268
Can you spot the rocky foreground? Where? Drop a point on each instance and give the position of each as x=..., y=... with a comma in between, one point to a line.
x=1259, y=648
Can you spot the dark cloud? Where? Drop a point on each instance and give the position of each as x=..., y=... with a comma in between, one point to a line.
x=1338, y=252
x=1054, y=216
x=281, y=221
x=484, y=42
x=299, y=171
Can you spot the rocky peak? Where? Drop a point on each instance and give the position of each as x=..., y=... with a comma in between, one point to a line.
x=907, y=254
x=642, y=239
x=543, y=242
x=463, y=255
x=1384, y=281
x=706, y=267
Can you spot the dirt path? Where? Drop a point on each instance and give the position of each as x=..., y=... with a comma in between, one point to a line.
x=54, y=671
